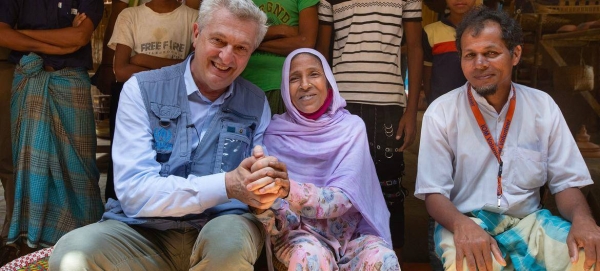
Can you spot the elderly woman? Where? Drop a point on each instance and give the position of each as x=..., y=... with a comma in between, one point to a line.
x=334, y=217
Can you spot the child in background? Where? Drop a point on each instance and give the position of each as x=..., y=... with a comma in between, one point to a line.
x=151, y=36
x=441, y=67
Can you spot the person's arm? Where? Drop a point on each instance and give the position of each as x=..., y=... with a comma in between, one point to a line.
x=279, y=219
x=471, y=241
x=14, y=40
x=435, y=183
x=306, y=38
x=280, y=31
x=64, y=37
x=584, y=232
x=324, y=40
x=105, y=73
x=152, y=62
x=124, y=69
x=138, y=184
x=407, y=128
x=315, y=202
x=304, y=200
x=567, y=172
x=144, y=193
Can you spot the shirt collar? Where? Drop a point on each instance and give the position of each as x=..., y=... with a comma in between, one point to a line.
x=484, y=104
x=191, y=87
x=447, y=22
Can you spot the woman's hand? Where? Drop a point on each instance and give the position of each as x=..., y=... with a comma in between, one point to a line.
x=274, y=178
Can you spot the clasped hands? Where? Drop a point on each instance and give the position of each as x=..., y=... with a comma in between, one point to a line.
x=258, y=181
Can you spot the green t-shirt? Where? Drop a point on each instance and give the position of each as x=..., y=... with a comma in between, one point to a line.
x=264, y=69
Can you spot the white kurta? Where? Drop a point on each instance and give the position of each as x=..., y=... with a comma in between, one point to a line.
x=456, y=161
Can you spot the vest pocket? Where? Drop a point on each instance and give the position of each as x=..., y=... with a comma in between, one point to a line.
x=164, y=133
x=234, y=145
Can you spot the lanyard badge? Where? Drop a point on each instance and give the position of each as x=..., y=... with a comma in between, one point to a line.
x=496, y=149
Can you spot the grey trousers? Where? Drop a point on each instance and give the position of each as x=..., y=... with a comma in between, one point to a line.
x=229, y=242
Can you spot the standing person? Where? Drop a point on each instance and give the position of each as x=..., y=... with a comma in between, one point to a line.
x=334, y=217
x=182, y=136
x=151, y=36
x=53, y=131
x=144, y=39
x=7, y=71
x=293, y=24
x=486, y=150
x=104, y=76
x=366, y=65
x=441, y=68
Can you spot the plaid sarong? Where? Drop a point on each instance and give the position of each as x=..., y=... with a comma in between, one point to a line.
x=54, y=149
x=535, y=242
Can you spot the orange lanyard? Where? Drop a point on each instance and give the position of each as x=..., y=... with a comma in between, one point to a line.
x=496, y=149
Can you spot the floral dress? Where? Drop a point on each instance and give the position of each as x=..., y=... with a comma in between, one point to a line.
x=315, y=229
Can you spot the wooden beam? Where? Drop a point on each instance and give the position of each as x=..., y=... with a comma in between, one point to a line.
x=554, y=54
x=591, y=101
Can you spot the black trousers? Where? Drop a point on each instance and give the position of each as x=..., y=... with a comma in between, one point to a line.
x=382, y=124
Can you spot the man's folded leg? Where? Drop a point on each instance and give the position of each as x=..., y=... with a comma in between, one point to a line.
x=108, y=245
x=228, y=242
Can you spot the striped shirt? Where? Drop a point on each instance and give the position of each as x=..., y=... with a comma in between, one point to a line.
x=366, y=47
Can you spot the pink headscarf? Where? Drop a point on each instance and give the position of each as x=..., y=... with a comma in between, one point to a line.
x=330, y=151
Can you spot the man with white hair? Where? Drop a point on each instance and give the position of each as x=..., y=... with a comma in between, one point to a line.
x=181, y=140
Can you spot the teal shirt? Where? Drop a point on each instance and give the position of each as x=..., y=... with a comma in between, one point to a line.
x=264, y=69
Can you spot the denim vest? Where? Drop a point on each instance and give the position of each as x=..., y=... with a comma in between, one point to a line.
x=227, y=141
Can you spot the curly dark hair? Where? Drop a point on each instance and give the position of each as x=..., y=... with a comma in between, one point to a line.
x=475, y=20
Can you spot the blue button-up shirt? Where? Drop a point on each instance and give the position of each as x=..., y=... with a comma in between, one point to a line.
x=51, y=14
